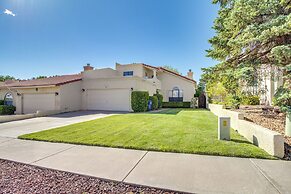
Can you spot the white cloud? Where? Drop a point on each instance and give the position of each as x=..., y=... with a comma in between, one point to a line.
x=8, y=12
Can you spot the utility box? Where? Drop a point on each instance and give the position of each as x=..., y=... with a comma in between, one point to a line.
x=224, y=128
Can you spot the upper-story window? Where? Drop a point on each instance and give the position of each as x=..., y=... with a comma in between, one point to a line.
x=128, y=73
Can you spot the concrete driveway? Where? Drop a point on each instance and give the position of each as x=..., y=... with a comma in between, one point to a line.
x=15, y=128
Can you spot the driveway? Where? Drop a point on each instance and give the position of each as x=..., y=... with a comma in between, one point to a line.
x=15, y=128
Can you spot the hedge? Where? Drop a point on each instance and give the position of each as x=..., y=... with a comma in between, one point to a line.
x=7, y=109
x=139, y=101
x=154, y=100
x=1, y=102
x=160, y=100
x=176, y=104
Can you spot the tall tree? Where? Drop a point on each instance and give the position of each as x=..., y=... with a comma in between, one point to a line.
x=250, y=35
x=4, y=78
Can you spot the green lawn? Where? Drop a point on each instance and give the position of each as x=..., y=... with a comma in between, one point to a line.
x=172, y=130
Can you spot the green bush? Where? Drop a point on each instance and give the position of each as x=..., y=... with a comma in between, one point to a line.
x=1, y=102
x=160, y=100
x=7, y=109
x=139, y=101
x=282, y=98
x=154, y=100
x=250, y=100
x=176, y=104
x=232, y=101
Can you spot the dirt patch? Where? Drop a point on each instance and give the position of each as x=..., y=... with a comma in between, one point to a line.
x=268, y=117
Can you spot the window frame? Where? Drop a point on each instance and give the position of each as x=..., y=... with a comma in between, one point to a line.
x=127, y=73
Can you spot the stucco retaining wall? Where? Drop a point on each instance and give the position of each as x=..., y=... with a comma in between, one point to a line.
x=271, y=141
x=8, y=118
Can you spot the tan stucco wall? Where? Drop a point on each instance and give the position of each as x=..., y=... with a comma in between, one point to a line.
x=2, y=93
x=71, y=96
x=100, y=73
x=169, y=81
x=137, y=69
x=136, y=83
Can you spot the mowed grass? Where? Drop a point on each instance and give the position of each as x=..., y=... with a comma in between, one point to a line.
x=172, y=130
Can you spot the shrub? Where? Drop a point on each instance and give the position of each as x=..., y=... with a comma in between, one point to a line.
x=250, y=100
x=232, y=101
x=139, y=101
x=1, y=102
x=154, y=100
x=7, y=109
x=176, y=104
x=282, y=98
x=160, y=100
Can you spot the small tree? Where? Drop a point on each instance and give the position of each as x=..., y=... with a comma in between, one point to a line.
x=155, y=104
x=160, y=99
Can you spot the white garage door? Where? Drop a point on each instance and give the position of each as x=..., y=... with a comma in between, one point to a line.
x=35, y=102
x=115, y=99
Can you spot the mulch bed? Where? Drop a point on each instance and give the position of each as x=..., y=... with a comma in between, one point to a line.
x=268, y=117
x=21, y=178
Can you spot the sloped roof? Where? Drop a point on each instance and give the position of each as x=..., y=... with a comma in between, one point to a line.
x=55, y=81
x=169, y=71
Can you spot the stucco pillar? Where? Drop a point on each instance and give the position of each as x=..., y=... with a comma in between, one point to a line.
x=155, y=73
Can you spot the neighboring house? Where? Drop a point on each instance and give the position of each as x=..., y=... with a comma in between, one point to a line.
x=272, y=79
x=269, y=79
x=98, y=89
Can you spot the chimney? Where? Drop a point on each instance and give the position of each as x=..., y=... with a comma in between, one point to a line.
x=88, y=67
x=190, y=74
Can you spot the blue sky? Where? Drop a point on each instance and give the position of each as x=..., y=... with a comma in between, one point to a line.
x=55, y=37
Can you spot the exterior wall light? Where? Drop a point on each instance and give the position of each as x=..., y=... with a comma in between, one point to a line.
x=83, y=90
x=56, y=93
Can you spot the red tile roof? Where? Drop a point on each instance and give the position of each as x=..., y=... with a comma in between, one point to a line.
x=168, y=71
x=55, y=81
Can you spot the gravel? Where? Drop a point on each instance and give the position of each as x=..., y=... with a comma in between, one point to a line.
x=21, y=178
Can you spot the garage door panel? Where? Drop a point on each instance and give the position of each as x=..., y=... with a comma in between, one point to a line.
x=117, y=100
x=35, y=102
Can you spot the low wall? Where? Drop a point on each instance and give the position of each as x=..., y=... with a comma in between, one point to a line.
x=271, y=141
x=8, y=118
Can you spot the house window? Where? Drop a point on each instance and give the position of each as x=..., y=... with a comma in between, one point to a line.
x=8, y=99
x=128, y=73
x=176, y=95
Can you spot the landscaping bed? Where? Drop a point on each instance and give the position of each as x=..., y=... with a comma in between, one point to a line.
x=22, y=178
x=170, y=130
x=268, y=117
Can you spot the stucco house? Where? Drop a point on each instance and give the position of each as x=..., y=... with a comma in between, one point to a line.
x=98, y=89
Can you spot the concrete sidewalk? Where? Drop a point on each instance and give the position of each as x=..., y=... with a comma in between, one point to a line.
x=181, y=172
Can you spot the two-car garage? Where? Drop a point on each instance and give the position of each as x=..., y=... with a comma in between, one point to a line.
x=108, y=99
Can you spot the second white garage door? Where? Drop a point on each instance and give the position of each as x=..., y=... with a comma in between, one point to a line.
x=35, y=102
x=115, y=99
